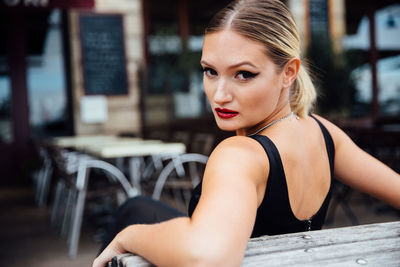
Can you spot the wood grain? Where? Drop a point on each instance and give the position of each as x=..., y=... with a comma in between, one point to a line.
x=369, y=245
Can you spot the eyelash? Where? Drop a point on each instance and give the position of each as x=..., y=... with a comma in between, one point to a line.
x=250, y=75
x=209, y=71
x=247, y=75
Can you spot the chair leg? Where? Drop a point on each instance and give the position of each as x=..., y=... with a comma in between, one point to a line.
x=78, y=208
x=67, y=213
x=135, y=165
x=56, y=204
x=342, y=196
x=348, y=211
x=39, y=184
x=36, y=179
x=76, y=224
x=46, y=186
x=62, y=206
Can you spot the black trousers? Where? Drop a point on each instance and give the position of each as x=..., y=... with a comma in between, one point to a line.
x=139, y=210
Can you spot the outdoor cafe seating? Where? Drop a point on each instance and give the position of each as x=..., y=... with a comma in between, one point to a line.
x=74, y=169
x=165, y=170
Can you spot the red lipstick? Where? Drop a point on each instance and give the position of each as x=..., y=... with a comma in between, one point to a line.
x=225, y=113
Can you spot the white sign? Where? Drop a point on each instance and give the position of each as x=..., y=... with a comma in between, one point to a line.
x=94, y=109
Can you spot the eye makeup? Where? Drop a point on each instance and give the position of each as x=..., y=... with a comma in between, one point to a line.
x=241, y=75
x=209, y=71
x=246, y=75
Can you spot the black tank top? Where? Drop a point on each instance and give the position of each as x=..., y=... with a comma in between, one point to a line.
x=274, y=215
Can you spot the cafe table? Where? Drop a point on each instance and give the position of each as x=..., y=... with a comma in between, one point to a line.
x=135, y=150
x=364, y=245
x=106, y=147
x=77, y=142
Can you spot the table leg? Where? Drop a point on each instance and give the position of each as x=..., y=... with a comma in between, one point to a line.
x=135, y=165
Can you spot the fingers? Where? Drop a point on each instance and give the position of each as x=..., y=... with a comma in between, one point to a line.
x=108, y=253
x=101, y=260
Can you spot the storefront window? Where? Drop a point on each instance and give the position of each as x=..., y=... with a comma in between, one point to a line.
x=46, y=76
x=174, y=75
x=6, y=135
x=357, y=42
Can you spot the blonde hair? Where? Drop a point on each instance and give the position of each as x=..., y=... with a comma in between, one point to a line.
x=270, y=23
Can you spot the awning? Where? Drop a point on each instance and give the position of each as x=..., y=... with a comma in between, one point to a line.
x=34, y=4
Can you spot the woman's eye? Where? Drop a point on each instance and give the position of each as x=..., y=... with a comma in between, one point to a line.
x=245, y=75
x=209, y=72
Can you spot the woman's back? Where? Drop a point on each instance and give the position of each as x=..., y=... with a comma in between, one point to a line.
x=303, y=151
x=298, y=189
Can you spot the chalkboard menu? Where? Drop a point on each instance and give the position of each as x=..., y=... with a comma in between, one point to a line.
x=319, y=18
x=103, y=54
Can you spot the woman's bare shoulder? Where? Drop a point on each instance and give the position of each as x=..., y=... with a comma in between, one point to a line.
x=239, y=147
x=239, y=154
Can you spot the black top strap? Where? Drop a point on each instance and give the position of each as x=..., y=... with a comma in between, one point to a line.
x=330, y=147
x=276, y=201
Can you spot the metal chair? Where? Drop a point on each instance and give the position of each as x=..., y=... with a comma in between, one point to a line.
x=66, y=167
x=42, y=178
x=85, y=165
x=179, y=177
x=72, y=188
x=147, y=170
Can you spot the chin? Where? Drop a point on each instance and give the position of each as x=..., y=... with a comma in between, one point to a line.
x=224, y=126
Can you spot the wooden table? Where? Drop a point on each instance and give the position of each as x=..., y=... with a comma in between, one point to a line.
x=369, y=245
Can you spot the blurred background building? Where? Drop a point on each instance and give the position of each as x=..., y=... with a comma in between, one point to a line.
x=132, y=66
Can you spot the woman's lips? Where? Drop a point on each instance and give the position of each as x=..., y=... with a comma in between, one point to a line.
x=224, y=113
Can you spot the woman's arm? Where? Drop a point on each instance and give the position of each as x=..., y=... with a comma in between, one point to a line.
x=222, y=223
x=358, y=169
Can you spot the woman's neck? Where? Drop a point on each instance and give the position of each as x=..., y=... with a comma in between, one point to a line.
x=273, y=118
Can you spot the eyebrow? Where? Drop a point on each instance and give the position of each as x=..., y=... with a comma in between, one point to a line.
x=234, y=65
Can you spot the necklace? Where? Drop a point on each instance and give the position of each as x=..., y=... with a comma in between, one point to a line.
x=276, y=121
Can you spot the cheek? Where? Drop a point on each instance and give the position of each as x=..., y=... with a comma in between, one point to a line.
x=262, y=101
x=208, y=90
x=259, y=103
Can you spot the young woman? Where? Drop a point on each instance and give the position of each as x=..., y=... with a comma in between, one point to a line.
x=275, y=175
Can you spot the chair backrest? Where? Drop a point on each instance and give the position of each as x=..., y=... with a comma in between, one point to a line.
x=179, y=177
x=112, y=172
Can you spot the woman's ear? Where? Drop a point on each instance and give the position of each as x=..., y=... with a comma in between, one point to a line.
x=290, y=72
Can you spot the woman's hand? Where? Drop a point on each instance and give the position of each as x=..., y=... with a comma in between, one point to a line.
x=113, y=249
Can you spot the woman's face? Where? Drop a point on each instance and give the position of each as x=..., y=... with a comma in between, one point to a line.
x=243, y=85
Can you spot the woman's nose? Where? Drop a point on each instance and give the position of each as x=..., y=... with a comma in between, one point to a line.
x=222, y=94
